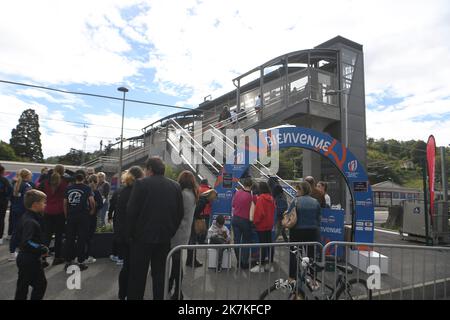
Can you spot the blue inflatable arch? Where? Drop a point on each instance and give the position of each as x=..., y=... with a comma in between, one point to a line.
x=347, y=164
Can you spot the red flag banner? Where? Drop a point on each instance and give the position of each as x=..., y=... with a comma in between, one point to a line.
x=431, y=161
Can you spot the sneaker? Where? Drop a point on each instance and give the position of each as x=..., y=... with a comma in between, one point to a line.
x=313, y=284
x=82, y=266
x=257, y=269
x=269, y=268
x=1, y=241
x=8, y=237
x=12, y=256
x=119, y=262
x=68, y=264
x=90, y=260
x=114, y=258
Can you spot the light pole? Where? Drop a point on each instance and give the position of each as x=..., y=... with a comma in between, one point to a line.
x=124, y=90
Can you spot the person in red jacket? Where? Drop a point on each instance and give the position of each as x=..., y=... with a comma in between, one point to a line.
x=263, y=220
x=54, y=221
x=206, y=213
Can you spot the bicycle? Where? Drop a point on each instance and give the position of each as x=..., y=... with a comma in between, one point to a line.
x=344, y=288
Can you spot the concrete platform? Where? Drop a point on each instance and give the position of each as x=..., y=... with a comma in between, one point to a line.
x=412, y=274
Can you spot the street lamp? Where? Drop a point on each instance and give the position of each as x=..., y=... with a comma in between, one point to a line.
x=124, y=90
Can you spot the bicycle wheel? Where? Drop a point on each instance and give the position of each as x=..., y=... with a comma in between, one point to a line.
x=354, y=289
x=276, y=293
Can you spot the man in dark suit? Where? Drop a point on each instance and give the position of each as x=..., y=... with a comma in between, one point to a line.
x=154, y=212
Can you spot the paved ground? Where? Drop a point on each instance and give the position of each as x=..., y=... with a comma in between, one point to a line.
x=100, y=280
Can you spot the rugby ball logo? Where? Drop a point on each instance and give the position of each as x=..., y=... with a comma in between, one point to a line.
x=353, y=166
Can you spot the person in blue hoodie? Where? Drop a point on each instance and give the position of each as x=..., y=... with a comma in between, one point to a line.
x=31, y=248
x=5, y=195
x=20, y=187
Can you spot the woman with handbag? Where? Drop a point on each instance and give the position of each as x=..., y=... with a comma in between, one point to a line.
x=190, y=194
x=306, y=212
x=199, y=227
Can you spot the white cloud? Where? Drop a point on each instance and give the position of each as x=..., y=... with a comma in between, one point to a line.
x=66, y=100
x=59, y=135
x=197, y=48
x=52, y=41
x=405, y=42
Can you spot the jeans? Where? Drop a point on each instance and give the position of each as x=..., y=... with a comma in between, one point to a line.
x=3, y=207
x=242, y=229
x=265, y=237
x=77, y=232
x=218, y=240
x=54, y=225
x=102, y=213
x=14, y=217
x=90, y=235
x=303, y=235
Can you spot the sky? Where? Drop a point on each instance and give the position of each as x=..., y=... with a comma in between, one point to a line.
x=177, y=52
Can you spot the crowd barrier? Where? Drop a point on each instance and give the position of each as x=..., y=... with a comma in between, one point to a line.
x=339, y=270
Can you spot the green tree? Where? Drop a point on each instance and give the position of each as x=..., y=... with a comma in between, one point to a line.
x=73, y=157
x=26, y=138
x=419, y=153
x=7, y=153
x=172, y=172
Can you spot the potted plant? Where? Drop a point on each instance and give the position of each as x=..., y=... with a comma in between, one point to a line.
x=102, y=241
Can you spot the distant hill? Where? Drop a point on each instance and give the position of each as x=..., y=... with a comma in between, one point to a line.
x=400, y=161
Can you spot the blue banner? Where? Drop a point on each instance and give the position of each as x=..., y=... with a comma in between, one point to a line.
x=352, y=170
x=225, y=186
x=332, y=229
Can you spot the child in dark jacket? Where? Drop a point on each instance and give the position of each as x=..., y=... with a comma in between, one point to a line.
x=31, y=248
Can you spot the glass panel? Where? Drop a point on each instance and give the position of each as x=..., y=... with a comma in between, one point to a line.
x=299, y=85
x=348, y=57
x=347, y=84
x=347, y=70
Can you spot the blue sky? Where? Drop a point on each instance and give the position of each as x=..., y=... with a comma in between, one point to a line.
x=178, y=52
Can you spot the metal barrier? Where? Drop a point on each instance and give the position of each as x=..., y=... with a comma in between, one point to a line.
x=234, y=281
x=341, y=270
x=391, y=272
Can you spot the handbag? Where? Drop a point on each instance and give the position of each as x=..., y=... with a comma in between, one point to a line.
x=290, y=219
x=199, y=226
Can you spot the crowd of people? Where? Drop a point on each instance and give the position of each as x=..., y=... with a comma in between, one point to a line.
x=151, y=214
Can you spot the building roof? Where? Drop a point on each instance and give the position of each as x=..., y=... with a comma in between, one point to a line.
x=340, y=39
x=391, y=186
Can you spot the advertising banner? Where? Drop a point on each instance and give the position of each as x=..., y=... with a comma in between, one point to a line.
x=431, y=163
x=225, y=186
x=332, y=229
x=352, y=170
